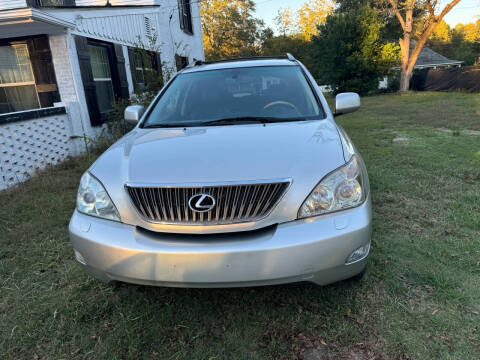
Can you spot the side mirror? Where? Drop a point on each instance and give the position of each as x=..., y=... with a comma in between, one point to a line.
x=346, y=103
x=134, y=113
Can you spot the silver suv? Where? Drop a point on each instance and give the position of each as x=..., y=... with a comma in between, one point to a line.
x=236, y=175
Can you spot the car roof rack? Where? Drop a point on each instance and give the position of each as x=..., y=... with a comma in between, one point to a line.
x=196, y=62
x=291, y=57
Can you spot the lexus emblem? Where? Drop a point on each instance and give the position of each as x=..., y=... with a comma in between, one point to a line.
x=201, y=203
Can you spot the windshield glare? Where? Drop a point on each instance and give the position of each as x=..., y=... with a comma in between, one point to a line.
x=274, y=92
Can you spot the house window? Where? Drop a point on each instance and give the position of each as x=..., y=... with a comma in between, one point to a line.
x=185, y=13
x=17, y=83
x=143, y=66
x=102, y=76
x=181, y=62
x=139, y=70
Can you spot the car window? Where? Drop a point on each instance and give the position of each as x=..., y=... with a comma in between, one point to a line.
x=279, y=92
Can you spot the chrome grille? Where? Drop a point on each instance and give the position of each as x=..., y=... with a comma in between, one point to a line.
x=234, y=203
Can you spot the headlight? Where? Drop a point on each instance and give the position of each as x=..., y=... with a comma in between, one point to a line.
x=92, y=199
x=342, y=189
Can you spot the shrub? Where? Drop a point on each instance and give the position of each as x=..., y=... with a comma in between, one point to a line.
x=349, y=53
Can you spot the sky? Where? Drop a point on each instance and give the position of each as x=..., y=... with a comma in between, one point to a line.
x=466, y=11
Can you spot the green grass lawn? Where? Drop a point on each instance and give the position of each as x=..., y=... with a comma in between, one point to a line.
x=420, y=298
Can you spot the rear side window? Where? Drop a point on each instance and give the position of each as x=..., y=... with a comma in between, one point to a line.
x=281, y=92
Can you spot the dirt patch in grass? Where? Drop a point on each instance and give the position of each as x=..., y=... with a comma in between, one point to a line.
x=459, y=132
x=401, y=139
x=313, y=348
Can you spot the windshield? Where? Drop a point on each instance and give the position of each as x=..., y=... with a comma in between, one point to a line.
x=275, y=93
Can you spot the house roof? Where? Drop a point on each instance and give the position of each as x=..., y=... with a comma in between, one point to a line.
x=31, y=21
x=429, y=58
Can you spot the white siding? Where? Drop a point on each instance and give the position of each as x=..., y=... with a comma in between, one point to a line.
x=123, y=28
x=173, y=40
x=17, y=4
x=126, y=26
x=119, y=25
x=12, y=4
x=71, y=91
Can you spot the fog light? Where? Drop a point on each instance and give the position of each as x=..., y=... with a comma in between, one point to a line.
x=79, y=258
x=358, y=254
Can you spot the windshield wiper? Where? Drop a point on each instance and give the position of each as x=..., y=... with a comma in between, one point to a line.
x=225, y=121
x=171, y=125
x=236, y=120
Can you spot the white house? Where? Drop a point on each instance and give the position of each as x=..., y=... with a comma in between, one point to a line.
x=63, y=62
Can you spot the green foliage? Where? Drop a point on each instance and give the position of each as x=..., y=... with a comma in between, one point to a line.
x=459, y=43
x=349, y=54
x=296, y=45
x=391, y=30
x=352, y=5
x=303, y=22
x=230, y=28
x=393, y=82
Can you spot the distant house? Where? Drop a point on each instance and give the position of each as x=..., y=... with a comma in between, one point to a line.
x=431, y=59
x=426, y=59
x=63, y=63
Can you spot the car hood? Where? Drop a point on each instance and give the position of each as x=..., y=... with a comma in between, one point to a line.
x=301, y=151
x=224, y=153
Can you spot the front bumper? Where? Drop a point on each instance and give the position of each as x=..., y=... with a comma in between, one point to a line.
x=313, y=250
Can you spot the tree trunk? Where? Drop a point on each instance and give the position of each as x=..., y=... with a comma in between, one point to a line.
x=405, y=51
x=409, y=60
x=405, y=80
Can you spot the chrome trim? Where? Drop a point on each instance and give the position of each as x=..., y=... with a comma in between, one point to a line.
x=209, y=184
x=214, y=217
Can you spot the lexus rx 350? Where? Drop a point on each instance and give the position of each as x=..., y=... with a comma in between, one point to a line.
x=235, y=175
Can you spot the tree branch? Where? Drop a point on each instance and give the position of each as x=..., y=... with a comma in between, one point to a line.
x=397, y=13
x=446, y=9
x=430, y=7
x=426, y=34
x=411, y=4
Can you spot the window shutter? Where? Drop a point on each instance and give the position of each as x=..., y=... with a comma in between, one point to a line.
x=133, y=65
x=178, y=62
x=157, y=63
x=43, y=71
x=122, y=72
x=157, y=66
x=187, y=13
x=87, y=79
x=181, y=14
